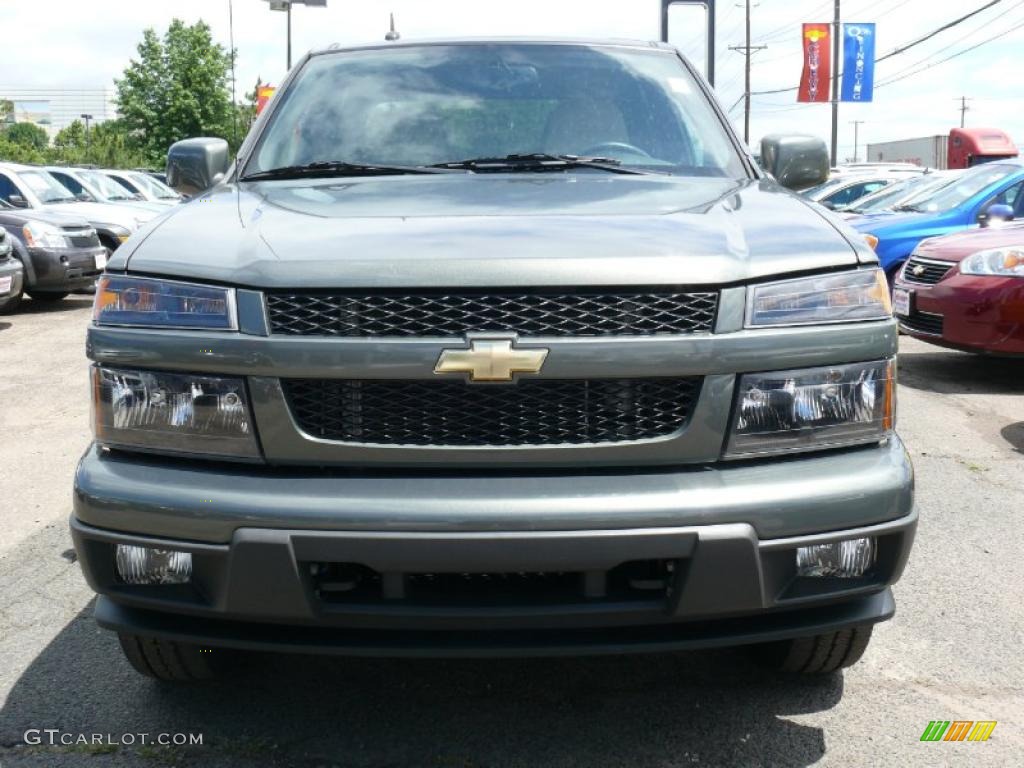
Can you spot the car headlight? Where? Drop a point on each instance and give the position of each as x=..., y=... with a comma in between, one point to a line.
x=149, y=303
x=812, y=408
x=178, y=413
x=999, y=262
x=840, y=297
x=40, y=235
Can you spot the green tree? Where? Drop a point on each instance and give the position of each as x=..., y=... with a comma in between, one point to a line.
x=108, y=145
x=176, y=89
x=12, y=152
x=27, y=135
x=6, y=111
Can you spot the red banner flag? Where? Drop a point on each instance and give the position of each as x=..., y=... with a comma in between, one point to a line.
x=815, y=81
x=263, y=95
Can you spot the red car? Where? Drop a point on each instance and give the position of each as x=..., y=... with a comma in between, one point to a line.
x=966, y=291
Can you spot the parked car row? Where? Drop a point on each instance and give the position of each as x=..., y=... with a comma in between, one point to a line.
x=949, y=244
x=61, y=224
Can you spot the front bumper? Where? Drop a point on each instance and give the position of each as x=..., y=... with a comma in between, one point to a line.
x=11, y=268
x=263, y=540
x=66, y=269
x=968, y=312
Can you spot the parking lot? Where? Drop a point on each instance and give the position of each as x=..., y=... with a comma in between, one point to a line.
x=951, y=653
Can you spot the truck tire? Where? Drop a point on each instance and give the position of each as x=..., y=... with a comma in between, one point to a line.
x=167, y=660
x=818, y=654
x=46, y=295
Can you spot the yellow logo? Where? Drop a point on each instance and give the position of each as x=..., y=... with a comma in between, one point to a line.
x=490, y=360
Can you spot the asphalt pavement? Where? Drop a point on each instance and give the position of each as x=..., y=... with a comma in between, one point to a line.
x=953, y=651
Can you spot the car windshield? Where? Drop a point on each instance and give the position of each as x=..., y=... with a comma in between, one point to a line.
x=963, y=188
x=47, y=188
x=152, y=186
x=107, y=187
x=431, y=104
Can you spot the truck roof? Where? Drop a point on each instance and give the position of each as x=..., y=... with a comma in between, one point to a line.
x=604, y=42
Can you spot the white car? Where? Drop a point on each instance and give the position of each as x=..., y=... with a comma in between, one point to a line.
x=143, y=184
x=94, y=186
x=841, y=191
x=29, y=186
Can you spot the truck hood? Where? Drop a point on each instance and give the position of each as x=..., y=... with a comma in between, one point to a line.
x=493, y=230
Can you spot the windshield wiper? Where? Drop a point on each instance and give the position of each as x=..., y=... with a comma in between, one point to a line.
x=539, y=161
x=329, y=168
x=911, y=208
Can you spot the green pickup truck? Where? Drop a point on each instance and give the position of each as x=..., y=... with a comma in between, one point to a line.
x=493, y=347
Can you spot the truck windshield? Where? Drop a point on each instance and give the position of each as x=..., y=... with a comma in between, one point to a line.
x=963, y=188
x=430, y=104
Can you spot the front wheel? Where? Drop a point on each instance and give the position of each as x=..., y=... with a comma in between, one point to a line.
x=168, y=660
x=818, y=654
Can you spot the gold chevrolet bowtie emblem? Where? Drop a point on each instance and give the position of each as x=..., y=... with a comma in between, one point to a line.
x=490, y=360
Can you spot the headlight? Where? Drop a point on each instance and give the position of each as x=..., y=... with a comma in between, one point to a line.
x=837, y=298
x=172, y=413
x=40, y=235
x=813, y=408
x=147, y=303
x=1000, y=262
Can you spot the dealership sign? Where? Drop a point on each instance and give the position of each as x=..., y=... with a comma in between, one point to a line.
x=858, y=60
x=814, y=83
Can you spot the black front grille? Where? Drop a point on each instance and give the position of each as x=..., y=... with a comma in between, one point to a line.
x=528, y=313
x=82, y=238
x=341, y=584
x=531, y=412
x=925, y=271
x=923, y=322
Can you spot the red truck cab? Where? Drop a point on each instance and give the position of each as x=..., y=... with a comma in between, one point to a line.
x=968, y=147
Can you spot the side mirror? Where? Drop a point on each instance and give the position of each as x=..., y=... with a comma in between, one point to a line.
x=997, y=212
x=195, y=165
x=796, y=162
x=18, y=201
x=828, y=204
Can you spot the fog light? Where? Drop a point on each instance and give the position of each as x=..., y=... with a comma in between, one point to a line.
x=841, y=559
x=146, y=565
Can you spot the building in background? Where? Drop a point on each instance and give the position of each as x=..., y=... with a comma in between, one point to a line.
x=55, y=108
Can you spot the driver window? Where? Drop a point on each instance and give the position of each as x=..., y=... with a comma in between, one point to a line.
x=7, y=188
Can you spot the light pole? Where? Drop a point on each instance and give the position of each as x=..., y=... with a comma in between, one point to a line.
x=286, y=6
x=856, y=144
x=87, y=118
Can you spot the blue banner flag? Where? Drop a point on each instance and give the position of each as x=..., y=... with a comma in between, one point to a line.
x=858, y=62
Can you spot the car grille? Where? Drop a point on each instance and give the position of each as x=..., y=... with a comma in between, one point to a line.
x=925, y=271
x=526, y=313
x=82, y=238
x=537, y=412
x=923, y=322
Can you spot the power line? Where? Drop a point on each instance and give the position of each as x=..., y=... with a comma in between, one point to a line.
x=896, y=79
x=903, y=48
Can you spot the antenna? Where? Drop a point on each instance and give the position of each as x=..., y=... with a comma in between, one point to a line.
x=392, y=34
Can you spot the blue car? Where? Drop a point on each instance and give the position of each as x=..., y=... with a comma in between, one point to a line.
x=950, y=209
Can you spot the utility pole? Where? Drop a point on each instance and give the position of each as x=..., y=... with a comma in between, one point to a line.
x=87, y=118
x=288, y=10
x=234, y=105
x=856, y=124
x=747, y=50
x=964, y=108
x=835, y=85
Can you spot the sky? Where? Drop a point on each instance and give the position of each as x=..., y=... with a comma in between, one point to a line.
x=88, y=43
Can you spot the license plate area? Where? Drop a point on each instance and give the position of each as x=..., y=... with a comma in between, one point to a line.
x=902, y=302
